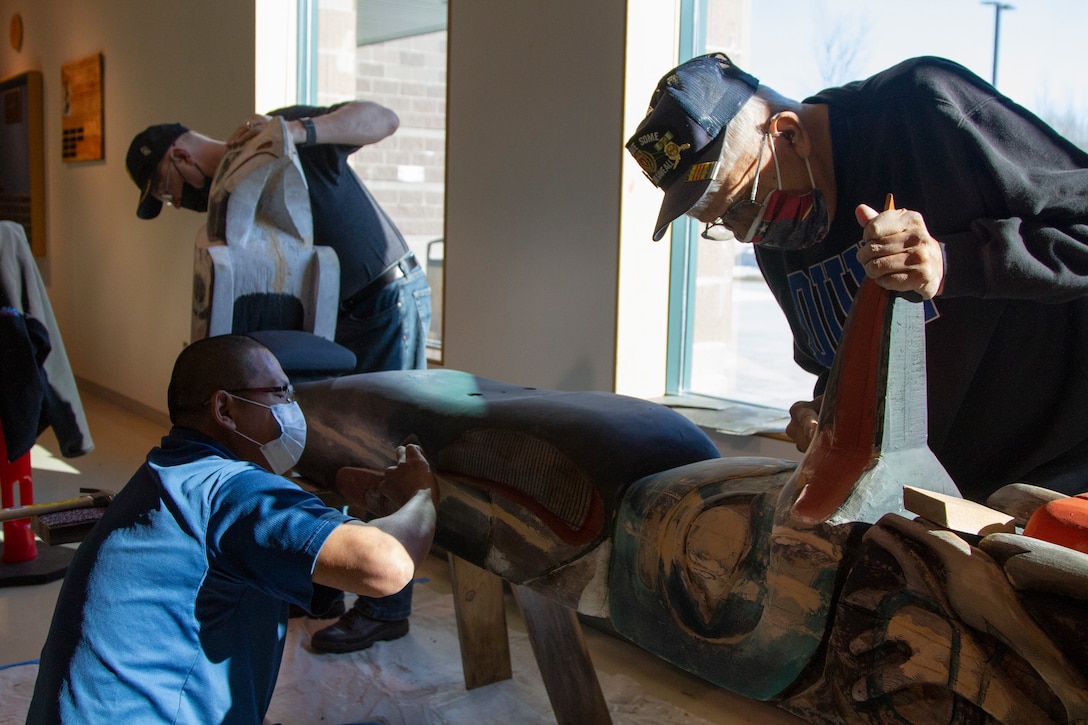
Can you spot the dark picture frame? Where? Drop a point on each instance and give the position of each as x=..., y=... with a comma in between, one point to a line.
x=22, y=156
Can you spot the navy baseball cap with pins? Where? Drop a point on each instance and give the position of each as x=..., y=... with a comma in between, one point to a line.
x=144, y=154
x=680, y=139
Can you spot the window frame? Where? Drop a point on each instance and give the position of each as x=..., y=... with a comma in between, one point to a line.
x=684, y=236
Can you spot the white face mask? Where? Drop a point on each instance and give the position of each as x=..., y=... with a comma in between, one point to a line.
x=282, y=453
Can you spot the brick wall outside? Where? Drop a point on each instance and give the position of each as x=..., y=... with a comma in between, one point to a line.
x=406, y=172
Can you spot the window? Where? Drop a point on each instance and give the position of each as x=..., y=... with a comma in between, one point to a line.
x=392, y=52
x=741, y=346
x=731, y=339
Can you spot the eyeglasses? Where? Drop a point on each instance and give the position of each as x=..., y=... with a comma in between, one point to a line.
x=738, y=212
x=288, y=391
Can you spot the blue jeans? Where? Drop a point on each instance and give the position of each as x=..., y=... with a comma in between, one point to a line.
x=388, y=331
x=393, y=608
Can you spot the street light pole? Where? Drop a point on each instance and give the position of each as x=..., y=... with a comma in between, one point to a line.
x=998, y=7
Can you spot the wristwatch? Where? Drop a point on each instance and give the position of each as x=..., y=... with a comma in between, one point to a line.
x=311, y=132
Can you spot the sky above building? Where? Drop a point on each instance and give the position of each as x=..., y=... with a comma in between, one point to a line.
x=1041, y=49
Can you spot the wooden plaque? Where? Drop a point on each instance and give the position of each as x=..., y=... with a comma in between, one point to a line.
x=81, y=124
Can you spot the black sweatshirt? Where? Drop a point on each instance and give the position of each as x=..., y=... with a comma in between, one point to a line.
x=1007, y=198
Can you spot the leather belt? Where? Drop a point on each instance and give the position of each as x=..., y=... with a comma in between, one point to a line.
x=402, y=268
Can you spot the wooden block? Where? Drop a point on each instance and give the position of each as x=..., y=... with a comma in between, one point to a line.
x=66, y=527
x=957, y=514
x=563, y=657
x=481, y=624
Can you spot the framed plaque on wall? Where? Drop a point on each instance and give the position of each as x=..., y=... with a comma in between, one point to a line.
x=81, y=123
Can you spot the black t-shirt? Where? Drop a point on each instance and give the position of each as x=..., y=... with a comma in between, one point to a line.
x=346, y=216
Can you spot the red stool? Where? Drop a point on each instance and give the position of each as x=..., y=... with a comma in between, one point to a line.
x=19, y=542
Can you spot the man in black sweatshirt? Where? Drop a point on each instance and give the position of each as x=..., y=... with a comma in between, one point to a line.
x=991, y=233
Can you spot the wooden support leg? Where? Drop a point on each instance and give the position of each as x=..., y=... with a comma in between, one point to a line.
x=481, y=624
x=561, y=653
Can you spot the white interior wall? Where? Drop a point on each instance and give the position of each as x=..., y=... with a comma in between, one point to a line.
x=121, y=286
x=537, y=123
x=642, y=322
x=535, y=92
x=276, y=54
x=537, y=119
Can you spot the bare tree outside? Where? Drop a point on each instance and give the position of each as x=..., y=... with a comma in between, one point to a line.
x=1066, y=120
x=839, y=48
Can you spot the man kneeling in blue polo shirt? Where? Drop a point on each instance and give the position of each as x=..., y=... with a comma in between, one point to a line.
x=175, y=607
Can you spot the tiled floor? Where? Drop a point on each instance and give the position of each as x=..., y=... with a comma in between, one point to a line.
x=121, y=441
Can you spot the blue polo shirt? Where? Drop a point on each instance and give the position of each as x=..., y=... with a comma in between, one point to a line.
x=175, y=607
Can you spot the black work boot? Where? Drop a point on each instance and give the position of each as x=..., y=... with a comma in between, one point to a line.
x=355, y=631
